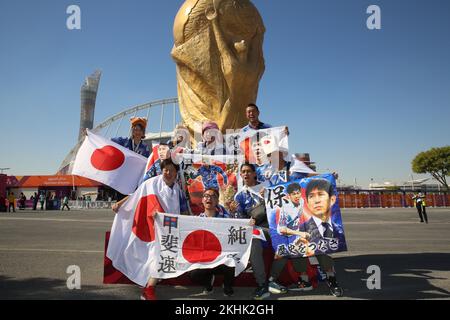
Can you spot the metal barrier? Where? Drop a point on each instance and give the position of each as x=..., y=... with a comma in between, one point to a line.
x=84, y=204
x=389, y=200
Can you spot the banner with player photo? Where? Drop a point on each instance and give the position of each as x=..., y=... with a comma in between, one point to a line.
x=305, y=218
x=256, y=145
x=202, y=172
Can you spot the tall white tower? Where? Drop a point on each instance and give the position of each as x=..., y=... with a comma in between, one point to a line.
x=88, y=97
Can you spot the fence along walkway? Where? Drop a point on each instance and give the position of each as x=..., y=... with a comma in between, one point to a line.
x=389, y=200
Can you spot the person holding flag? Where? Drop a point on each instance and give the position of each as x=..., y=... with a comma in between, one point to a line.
x=320, y=199
x=252, y=114
x=245, y=203
x=212, y=143
x=135, y=143
x=206, y=277
x=133, y=234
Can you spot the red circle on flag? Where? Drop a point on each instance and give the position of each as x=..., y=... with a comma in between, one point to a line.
x=256, y=232
x=201, y=246
x=107, y=158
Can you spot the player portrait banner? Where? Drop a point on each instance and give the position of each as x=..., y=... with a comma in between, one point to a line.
x=256, y=145
x=308, y=206
x=200, y=172
x=185, y=243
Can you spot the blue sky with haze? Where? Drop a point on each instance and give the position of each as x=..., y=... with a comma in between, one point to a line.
x=361, y=102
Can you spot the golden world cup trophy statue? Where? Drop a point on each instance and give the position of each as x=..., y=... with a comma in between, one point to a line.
x=219, y=57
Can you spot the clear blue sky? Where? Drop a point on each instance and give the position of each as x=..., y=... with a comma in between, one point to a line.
x=360, y=102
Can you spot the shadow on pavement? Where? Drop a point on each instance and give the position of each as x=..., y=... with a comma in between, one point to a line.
x=49, y=289
x=403, y=276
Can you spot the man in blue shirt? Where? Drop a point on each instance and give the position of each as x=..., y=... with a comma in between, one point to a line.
x=252, y=114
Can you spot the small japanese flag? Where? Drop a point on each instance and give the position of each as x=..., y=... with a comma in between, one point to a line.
x=107, y=162
x=258, y=233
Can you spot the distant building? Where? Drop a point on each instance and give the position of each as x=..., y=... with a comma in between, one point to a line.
x=88, y=98
x=423, y=185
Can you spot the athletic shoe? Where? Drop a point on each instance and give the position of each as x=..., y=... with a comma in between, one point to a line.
x=262, y=292
x=334, y=287
x=301, y=285
x=277, y=288
x=228, y=291
x=209, y=289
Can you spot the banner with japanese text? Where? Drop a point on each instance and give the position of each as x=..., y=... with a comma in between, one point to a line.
x=304, y=217
x=185, y=243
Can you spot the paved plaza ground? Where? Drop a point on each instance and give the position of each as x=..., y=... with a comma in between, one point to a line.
x=36, y=247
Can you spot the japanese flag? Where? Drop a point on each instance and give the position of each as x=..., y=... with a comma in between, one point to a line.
x=107, y=162
x=185, y=243
x=152, y=159
x=257, y=144
x=132, y=240
x=258, y=233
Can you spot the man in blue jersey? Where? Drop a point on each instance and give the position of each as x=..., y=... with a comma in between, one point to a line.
x=244, y=203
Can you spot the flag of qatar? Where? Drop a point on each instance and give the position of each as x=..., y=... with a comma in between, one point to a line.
x=104, y=161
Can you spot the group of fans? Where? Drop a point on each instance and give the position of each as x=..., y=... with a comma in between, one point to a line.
x=248, y=202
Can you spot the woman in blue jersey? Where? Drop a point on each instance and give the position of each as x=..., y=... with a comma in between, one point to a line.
x=135, y=142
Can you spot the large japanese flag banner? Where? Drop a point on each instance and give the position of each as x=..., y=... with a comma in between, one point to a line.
x=308, y=205
x=185, y=243
x=107, y=162
x=133, y=233
x=255, y=145
x=201, y=172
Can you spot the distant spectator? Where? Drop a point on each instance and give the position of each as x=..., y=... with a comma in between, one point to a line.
x=35, y=200
x=42, y=200
x=65, y=203
x=22, y=200
x=419, y=200
x=11, y=201
x=2, y=204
